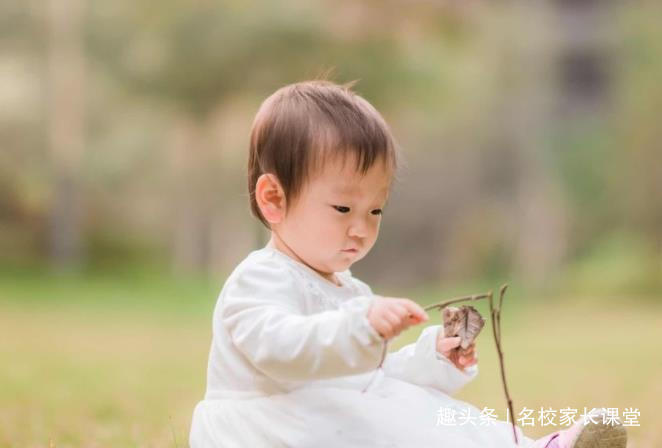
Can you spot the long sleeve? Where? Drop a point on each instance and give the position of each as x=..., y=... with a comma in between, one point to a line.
x=263, y=314
x=420, y=363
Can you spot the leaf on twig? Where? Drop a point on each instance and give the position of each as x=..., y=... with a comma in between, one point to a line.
x=464, y=321
x=467, y=324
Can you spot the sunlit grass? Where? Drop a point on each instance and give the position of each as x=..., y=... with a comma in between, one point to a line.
x=108, y=362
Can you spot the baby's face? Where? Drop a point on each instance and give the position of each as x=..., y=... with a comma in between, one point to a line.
x=335, y=221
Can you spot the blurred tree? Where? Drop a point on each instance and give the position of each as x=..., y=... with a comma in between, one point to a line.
x=530, y=128
x=67, y=135
x=196, y=57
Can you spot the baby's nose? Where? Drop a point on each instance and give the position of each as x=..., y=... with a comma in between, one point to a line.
x=358, y=230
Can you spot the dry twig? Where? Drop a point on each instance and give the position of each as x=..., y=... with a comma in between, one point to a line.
x=495, y=317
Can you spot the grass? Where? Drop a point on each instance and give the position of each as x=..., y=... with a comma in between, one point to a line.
x=121, y=361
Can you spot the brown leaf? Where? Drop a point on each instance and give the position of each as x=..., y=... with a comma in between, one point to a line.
x=464, y=321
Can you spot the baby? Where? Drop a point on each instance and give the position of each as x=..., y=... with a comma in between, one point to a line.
x=299, y=354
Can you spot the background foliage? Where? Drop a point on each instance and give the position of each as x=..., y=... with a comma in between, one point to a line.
x=531, y=135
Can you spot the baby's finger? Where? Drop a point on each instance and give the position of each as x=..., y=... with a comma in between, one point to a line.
x=413, y=320
x=468, y=351
x=471, y=362
x=400, y=310
x=416, y=313
x=448, y=344
x=453, y=342
x=469, y=359
x=384, y=328
x=392, y=318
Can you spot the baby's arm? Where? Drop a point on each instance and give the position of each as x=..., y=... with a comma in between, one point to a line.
x=421, y=363
x=263, y=317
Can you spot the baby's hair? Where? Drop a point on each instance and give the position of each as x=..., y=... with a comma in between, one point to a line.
x=301, y=125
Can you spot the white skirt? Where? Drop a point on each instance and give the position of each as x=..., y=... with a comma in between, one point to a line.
x=391, y=413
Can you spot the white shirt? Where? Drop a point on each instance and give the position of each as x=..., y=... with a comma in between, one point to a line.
x=287, y=342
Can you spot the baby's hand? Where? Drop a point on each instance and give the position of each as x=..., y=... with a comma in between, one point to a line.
x=389, y=315
x=460, y=358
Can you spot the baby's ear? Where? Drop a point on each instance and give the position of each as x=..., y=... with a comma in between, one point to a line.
x=270, y=197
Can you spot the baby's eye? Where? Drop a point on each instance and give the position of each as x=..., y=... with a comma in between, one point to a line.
x=341, y=208
x=377, y=211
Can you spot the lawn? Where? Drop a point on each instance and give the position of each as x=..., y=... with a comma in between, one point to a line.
x=121, y=361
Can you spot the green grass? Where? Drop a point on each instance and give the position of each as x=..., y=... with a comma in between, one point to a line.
x=118, y=360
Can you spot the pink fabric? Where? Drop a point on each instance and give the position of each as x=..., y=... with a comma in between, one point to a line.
x=567, y=437
x=549, y=441
x=554, y=442
x=561, y=439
